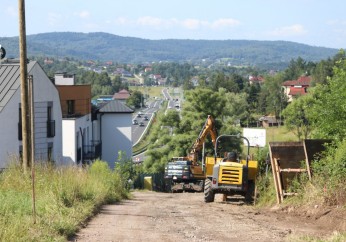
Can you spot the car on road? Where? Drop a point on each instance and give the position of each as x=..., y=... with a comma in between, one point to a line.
x=146, y=118
x=134, y=122
x=139, y=115
x=141, y=124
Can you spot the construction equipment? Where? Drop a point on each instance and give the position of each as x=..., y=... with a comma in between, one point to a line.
x=229, y=177
x=185, y=173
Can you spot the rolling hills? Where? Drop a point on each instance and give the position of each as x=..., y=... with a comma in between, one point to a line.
x=108, y=47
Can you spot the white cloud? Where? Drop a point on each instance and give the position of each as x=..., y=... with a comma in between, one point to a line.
x=161, y=23
x=225, y=22
x=11, y=11
x=54, y=19
x=83, y=14
x=293, y=30
x=121, y=21
x=336, y=22
x=151, y=21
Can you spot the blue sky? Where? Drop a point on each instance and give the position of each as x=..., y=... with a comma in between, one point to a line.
x=312, y=22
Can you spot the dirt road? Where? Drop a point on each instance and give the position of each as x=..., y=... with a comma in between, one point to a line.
x=152, y=216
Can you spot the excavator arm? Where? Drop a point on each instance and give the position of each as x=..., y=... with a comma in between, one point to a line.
x=208, y=128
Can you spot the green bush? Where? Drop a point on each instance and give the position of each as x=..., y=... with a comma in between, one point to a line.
x=329, y=174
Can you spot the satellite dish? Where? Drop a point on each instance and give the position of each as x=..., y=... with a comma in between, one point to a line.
x=2, y=52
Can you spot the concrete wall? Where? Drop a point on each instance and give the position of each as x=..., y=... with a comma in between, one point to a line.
x=72, y=138
x=116, y=136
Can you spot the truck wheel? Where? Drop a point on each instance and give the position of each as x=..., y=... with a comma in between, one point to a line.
x=250, y=193
x=2, y=52
x=209, y=195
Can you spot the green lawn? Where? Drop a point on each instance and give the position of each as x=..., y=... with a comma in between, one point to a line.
x=279, y=134
x=151, y=91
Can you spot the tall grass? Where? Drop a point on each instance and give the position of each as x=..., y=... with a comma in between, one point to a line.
x=65, y=198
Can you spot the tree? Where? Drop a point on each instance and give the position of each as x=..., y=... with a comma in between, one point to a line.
x=328, y=114
x=171, y=118
x=296, y=116
x=135, y=99
x=272, y=98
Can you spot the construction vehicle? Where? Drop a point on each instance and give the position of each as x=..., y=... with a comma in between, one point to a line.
x=229, y=177
x=186, y=173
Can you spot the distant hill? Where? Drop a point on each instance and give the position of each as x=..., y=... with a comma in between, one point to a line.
x=105, y=47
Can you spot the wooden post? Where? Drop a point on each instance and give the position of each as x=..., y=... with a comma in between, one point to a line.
x=32, y=122
x=24, y=86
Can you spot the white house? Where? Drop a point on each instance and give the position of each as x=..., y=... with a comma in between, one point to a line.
x=48, y=128
x=78, y=143
x=116, y=131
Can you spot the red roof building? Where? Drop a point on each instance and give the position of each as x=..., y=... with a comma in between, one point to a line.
x=295, y=88
x=122, y=95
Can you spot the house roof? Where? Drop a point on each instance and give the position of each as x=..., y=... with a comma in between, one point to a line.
x=269, y=119
x=10, y=79
x=294, y=91
x=301, y=81
x=122, y=94
x=115, y=106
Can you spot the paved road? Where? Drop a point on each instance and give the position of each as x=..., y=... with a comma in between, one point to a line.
x=138, y=130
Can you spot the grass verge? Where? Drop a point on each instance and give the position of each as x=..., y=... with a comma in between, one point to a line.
x=65, y=198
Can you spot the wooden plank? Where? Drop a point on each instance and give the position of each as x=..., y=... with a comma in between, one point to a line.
x=275, y=178
x=296, y=170
x=278, y=174
x=307, y=161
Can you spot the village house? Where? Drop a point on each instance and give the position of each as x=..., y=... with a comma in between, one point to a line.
x=47, y=114
x=296, y=88
x=256, y=80
x=122, y=95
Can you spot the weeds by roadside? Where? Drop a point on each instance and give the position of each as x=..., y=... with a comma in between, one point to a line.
x=65, y=198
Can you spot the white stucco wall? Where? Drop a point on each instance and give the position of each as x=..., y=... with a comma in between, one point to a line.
x=9, y=143
x=44, y=93
x=71, y=131
x=116, y=136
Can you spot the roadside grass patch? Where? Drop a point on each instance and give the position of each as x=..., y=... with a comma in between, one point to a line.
x=65, y=198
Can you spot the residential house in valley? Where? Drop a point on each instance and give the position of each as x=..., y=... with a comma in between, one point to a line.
x=47, y=114
x=295, y=88
x=122, y=95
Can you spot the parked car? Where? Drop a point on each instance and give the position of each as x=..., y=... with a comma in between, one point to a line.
x=141, y=124
x=135, y=122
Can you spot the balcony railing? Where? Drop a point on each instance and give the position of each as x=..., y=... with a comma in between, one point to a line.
x=50, y=128
x=93, y=151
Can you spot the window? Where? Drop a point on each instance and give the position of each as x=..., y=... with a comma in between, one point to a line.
x=70, y=107
x=50, y=122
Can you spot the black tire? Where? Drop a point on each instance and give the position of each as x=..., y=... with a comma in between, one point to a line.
x=2, y=53
x=168, y=185
x=250, y=194
x=209, y=195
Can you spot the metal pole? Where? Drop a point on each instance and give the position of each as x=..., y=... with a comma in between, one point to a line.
x=32, y=122
x=24, y=86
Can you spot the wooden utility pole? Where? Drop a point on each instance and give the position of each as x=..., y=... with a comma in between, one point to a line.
x=32, y=126
x=24, y=86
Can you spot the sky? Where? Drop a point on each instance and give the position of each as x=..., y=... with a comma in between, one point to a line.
x=313, y=22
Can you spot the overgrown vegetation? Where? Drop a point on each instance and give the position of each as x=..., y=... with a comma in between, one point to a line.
x=65, y=198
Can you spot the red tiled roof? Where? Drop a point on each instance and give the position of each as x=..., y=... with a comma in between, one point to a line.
x=294, y=91
x=302, y=81
x=122, y=94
